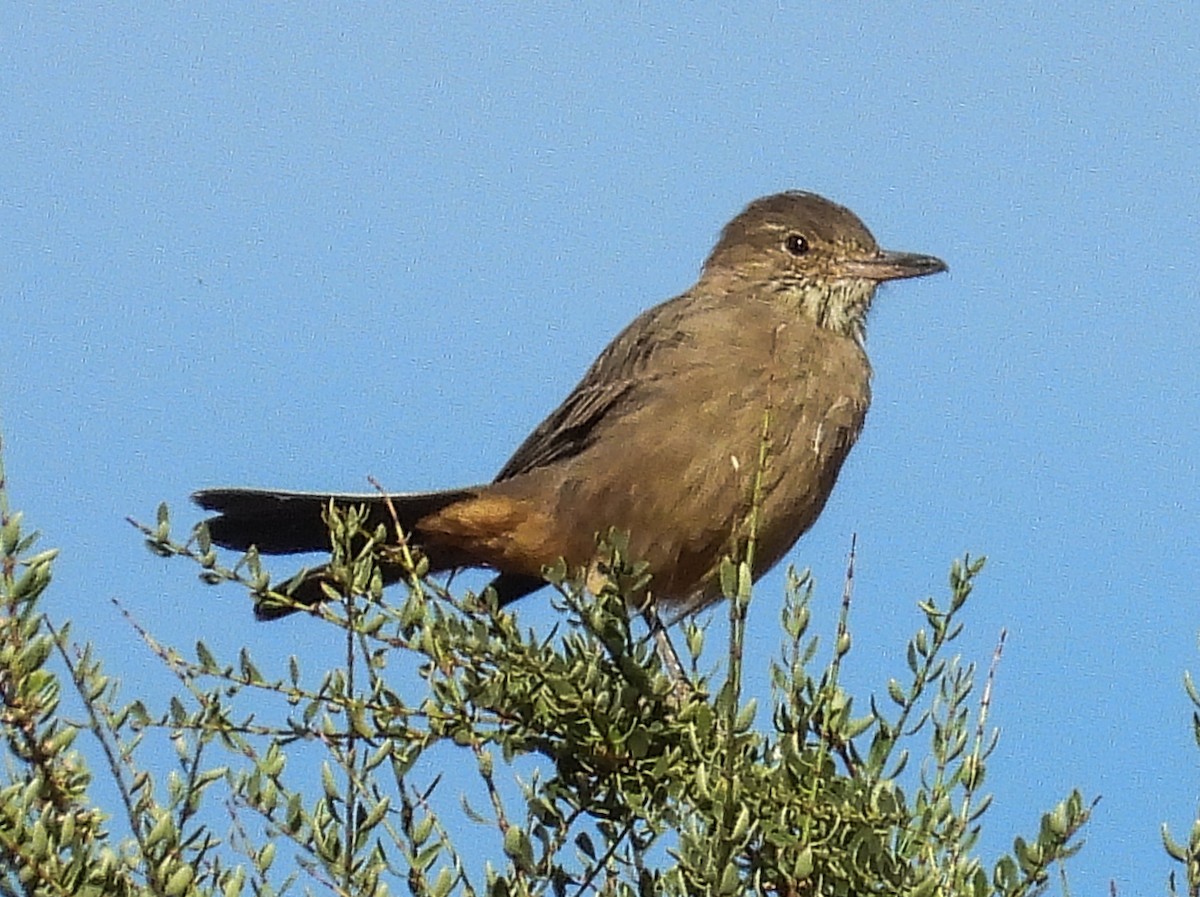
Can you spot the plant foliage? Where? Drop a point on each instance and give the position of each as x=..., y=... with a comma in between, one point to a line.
x=594, y=770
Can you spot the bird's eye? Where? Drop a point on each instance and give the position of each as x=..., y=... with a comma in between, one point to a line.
x=796, y=244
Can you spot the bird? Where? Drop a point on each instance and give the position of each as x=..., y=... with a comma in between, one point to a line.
x=721, y=414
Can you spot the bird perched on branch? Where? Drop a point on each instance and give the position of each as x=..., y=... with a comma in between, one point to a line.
x=746, y=391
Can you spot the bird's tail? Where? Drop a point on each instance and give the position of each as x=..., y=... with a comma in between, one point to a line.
x=291, y=522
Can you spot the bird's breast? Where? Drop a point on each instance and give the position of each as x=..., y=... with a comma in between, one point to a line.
x=817, y=400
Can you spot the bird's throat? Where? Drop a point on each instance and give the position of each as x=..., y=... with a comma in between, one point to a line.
x=837, y=305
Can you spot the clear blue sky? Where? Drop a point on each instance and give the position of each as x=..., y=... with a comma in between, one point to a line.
x=297, y=246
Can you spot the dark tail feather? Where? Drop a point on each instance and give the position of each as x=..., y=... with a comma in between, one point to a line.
x=290, y=522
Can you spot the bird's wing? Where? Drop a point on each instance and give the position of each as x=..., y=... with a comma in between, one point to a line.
x=614, y=379
x=569, y=429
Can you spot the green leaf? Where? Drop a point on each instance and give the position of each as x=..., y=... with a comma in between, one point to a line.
x=375, y=816
x=422, y=829
x=443, y=883
x=584, y=842
x=180, y=880
x=236, y=881
x=328, y=782
x=728, y=574
x=164, y=829
x=1174, y=849
x=518, y=848
x=265, y=857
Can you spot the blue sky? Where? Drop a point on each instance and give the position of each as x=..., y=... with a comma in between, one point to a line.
x=297, y=246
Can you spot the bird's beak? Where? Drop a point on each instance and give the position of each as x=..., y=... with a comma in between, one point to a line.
x=892, y=266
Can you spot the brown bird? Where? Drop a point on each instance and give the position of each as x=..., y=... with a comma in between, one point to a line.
x=662, y=437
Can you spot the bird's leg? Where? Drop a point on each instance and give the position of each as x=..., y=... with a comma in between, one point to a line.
x=666, y=651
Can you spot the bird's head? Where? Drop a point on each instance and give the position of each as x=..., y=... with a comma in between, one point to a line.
x=815, y=254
